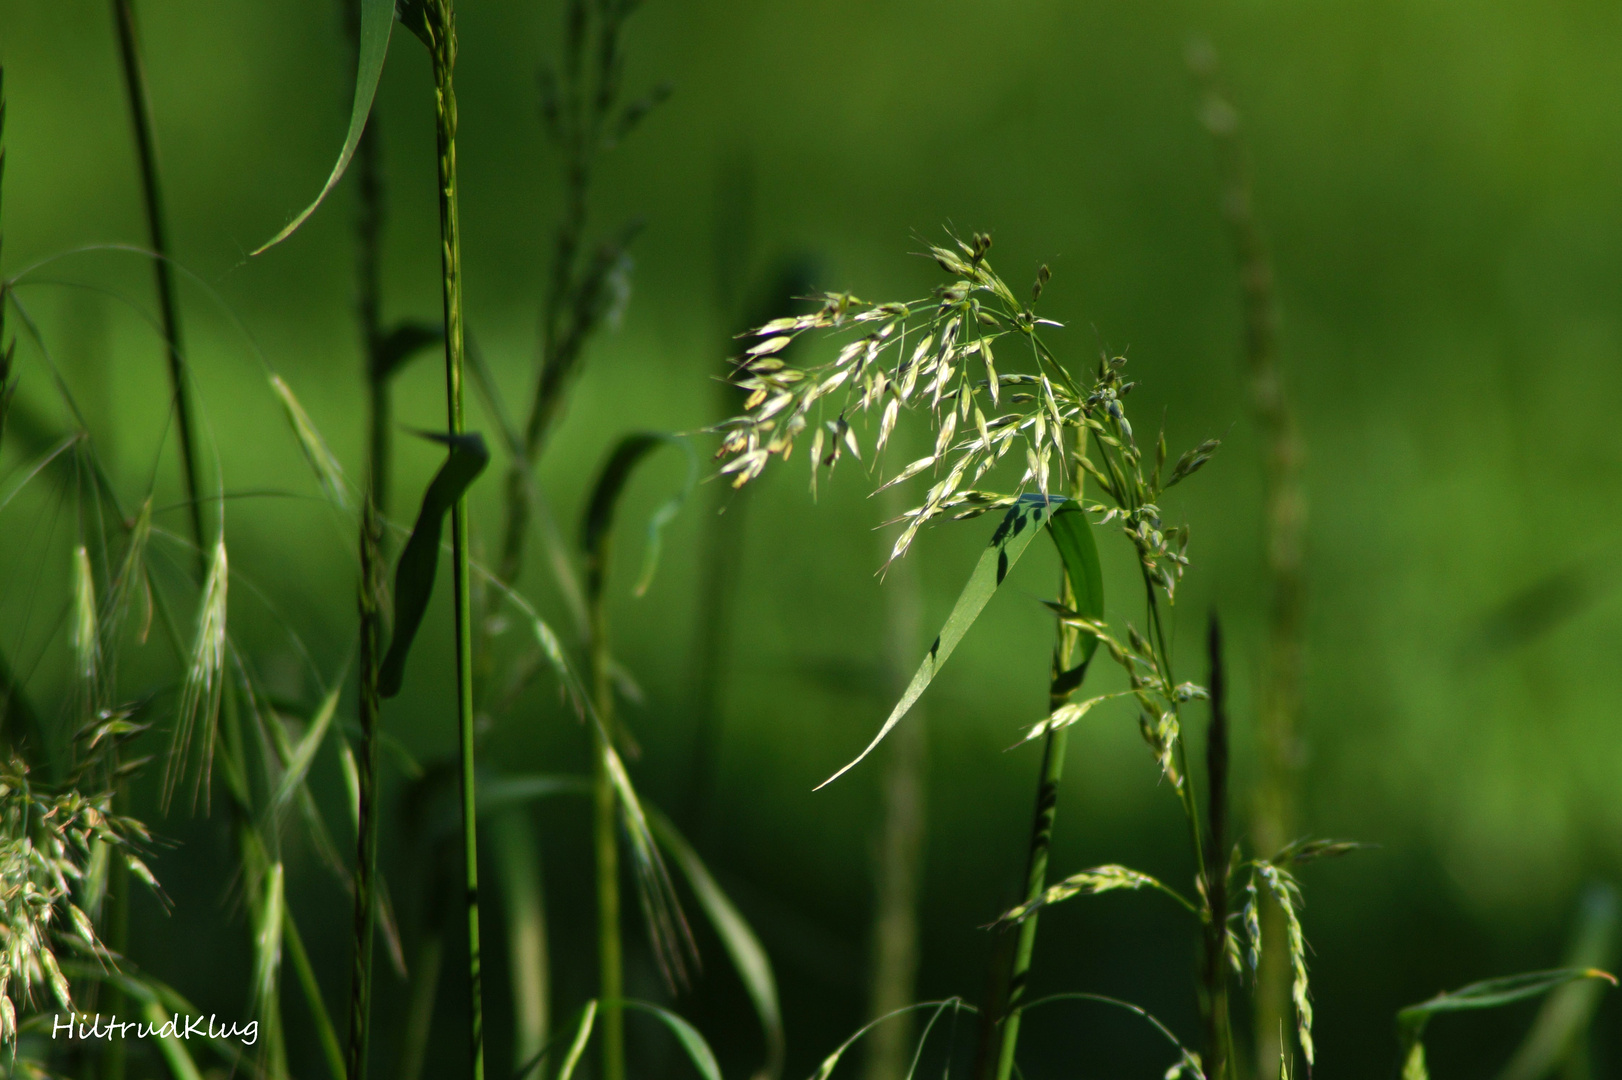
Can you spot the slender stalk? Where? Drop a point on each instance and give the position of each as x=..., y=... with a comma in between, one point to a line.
x=420, y=1010
x=360, y=1001
x=901, y=841
x=1284, y=525
x=441, y=26
x=1061, y=685
x=610, y=947
x=168, y=304
x=1218, y=1033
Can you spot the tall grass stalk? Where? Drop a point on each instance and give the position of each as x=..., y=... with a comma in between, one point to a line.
x=605, y=838
x=1284, y=525
x=146, y=150
x=902, y=828
x=440, y=26
x=1061, y=684
x=584, y=117
x=370, y=595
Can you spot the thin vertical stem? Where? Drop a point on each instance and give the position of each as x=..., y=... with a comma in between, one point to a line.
x=441, y=24
x=147, y=152
x=1284, y=526
x=1060, y=686
x=360, y=1000
x=901, y=841
x=610, y=948
x=1218, y=1034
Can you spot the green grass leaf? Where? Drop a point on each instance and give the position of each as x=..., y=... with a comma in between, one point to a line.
x=1022, y=522
x=1073, y=535
x=698, y=1050
x=599, y=519
x=376, y=23
x=582, y=1035
x=748, y=956
x=419, y=562
x=298, y=766
x=518, y=871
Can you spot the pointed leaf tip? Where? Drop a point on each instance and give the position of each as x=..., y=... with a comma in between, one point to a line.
x=376, y=23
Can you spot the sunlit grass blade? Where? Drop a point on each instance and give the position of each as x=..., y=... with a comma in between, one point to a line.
x=1487, y=994
x=748, y=956
x=86, y=634
x=1558, y=1031
x=698, y=1049
x=316, y=452
x=205, y=678
x=831, y=1062
x=376, y=22
x=518, y=869
x=298, y=766
x=582, y=1035
x=1013, y=535
x=1100, y=879
x=170, y=1045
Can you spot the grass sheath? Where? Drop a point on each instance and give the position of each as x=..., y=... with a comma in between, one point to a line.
x=440, y=25
x=157, y=232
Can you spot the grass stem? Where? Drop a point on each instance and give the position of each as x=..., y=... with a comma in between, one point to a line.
x=610, y=946
x=157, y=232
x=1061, y=687
x=441, y=23
x=360, y=1001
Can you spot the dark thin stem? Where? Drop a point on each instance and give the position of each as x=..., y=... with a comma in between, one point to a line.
x=1218, y=1035
x=371, y=589
x=168, y=304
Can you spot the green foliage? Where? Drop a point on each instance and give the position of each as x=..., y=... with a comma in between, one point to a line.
x=419, y=561
x=1486, y=994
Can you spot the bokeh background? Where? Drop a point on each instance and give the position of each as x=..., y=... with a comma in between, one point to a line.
x=1438, y=183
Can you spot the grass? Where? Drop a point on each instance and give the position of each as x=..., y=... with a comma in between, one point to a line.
x=1015, y=429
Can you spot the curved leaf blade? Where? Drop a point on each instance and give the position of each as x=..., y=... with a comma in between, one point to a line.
x=1073, y=535
x=698, y=1050
x=748, y=956
x=596, y=526
x=419, y=562
x=1022, y=522
x=376, y=23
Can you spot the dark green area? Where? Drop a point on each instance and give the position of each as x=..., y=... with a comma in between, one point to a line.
x=1440, y=186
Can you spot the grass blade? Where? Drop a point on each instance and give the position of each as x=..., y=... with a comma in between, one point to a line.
x=316, y=452
x=748, y=956
x=582, y=1036
x=1072, y=534
x=170, y=1045
x=376, y=23
x=1557, y=1032
x=518, y=869
x=698, y=1050
x=298, y=767
x=1487, y=994
x=1008, y=543
x=205, y=677
x=419, y=562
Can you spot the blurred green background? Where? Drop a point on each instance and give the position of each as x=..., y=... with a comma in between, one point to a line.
x=1438, y=182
